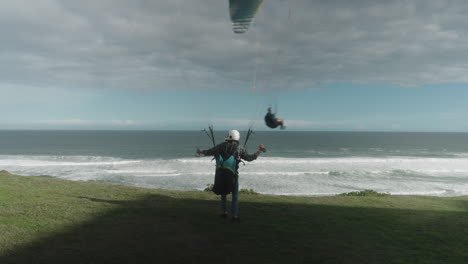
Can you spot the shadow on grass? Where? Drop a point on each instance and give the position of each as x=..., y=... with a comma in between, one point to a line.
x=160, y=229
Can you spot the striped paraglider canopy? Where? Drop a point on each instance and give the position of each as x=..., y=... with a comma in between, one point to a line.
x=242, y=13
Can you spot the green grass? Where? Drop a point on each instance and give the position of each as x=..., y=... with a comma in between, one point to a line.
x=47, y=220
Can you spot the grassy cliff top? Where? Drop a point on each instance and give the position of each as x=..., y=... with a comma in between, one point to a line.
x=47, y=220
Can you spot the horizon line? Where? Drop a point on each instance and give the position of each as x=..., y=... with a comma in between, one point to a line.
x=261, y=130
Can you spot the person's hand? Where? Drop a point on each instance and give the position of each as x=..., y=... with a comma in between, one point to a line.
x=262, y=148
x=198, y=151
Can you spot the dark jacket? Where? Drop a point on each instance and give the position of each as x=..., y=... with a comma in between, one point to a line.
x=271, y=121
x=230, y=148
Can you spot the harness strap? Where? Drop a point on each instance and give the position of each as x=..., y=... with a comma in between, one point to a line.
x=233, y=161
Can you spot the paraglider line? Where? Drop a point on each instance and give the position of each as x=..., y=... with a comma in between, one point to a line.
x=249, y=132
x=210, y=135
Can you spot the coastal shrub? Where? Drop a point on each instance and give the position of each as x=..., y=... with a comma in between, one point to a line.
x=363, y=193
x=248, y=191
x=209, y=188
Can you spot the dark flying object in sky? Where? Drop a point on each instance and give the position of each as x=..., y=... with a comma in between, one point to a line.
x=242, y=13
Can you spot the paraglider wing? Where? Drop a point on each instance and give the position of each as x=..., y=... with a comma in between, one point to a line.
x=242, y=13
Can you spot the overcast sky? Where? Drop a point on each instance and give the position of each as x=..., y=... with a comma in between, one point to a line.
x=325, y=65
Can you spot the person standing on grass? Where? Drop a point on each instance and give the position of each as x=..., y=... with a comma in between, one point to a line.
x=228, y=155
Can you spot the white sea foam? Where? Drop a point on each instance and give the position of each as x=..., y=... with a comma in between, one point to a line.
x=273, y=175
x=43, y=161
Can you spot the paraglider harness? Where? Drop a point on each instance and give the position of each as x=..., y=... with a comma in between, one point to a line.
x=226, y=175
x=271, y=120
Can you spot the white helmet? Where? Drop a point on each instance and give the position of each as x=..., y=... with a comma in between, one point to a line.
x=233, y=135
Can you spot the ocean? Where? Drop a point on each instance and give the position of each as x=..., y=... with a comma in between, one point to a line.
x=296, y=163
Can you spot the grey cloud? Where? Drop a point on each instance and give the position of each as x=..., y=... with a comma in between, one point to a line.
x=190, y=45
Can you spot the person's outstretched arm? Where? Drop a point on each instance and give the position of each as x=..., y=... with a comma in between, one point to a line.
x=208, y=152
x=249, y=157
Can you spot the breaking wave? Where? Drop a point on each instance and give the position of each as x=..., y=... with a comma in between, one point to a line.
x=273, y=175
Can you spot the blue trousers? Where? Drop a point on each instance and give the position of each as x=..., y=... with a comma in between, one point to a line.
x=234, y=203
